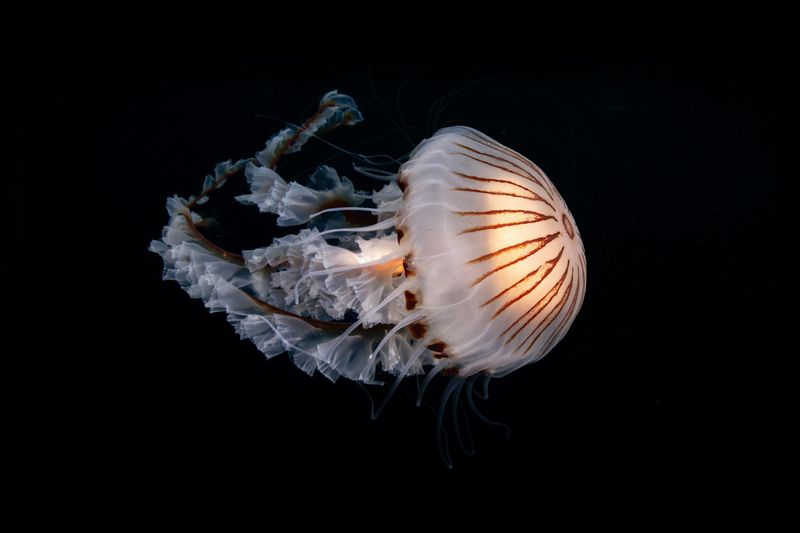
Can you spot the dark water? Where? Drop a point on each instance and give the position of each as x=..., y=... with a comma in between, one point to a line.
x=671, y=165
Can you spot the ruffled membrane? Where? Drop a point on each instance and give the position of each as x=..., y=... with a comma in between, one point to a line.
x=299, y=294
x=294, y=203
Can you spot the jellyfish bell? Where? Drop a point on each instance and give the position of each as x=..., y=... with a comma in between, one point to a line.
x=495, y=255
x=470, y=264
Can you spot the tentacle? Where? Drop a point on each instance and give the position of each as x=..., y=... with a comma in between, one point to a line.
x=431, y=374
x=375, y=173
x=419, y=350
x=386, y=224
x=468, y=448
x=410, y=319
x=485, y=380
x=441, y=434
x=344, y=209
x=476, y=412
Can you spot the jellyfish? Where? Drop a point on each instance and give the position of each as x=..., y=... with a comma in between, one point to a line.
x=469, y=264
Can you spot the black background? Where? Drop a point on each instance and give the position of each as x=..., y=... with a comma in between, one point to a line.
x=671, y=164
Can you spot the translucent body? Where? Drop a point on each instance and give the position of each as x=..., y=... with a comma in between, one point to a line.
x=470, y=263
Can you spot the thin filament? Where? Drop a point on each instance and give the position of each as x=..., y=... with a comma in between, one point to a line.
x=421, y=347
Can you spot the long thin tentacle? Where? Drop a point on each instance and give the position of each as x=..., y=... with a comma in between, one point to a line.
x=420, y=349
x=441, y=434
x=474, y=409
x=468, y=448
